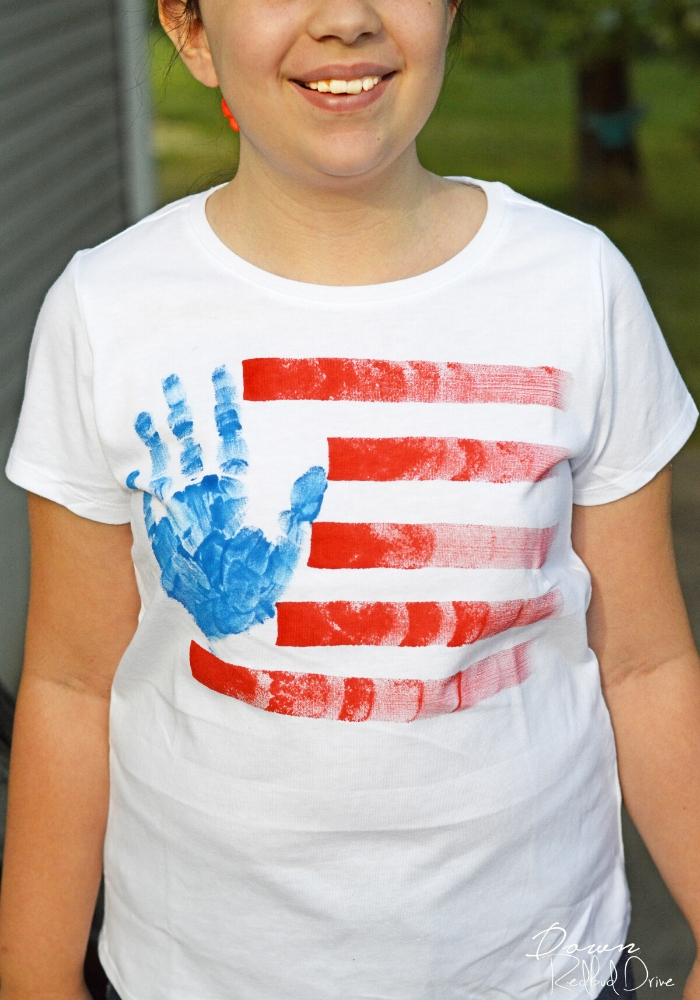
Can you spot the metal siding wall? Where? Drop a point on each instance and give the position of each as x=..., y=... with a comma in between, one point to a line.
x=139, y=161
x=74, y=169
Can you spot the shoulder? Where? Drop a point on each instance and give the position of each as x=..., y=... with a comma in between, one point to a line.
x=555, y=250
x=526, y=217
x=161, y=243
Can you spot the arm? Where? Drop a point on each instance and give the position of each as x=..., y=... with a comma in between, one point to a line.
x=650, y=671
x=83, y=611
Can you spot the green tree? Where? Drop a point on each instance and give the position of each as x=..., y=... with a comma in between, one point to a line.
x=601, y=38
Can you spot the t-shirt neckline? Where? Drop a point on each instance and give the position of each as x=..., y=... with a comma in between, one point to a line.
x=463, y=261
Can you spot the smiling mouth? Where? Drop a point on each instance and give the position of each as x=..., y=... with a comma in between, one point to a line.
x=355, y=86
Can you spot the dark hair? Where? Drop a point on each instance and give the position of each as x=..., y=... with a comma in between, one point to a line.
x=461, y=21
x=189, y=12
x=182, y=11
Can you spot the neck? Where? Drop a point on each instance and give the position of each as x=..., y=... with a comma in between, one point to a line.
x=340, y=231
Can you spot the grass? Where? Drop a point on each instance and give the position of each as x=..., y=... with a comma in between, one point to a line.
x=517, y=127
x=194, y=144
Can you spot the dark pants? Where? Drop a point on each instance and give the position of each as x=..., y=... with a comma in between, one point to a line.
x=622, y=988
x=620, y=991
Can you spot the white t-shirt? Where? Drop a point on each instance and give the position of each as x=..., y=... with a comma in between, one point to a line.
x=358, y=743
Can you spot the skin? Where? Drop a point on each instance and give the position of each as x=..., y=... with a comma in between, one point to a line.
x=83, y=598
x=335, y=198
x=650, y=672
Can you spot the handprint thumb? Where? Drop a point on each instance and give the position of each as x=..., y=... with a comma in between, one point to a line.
x=307, y=494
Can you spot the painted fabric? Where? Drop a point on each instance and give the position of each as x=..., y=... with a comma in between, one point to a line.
x=358, y=742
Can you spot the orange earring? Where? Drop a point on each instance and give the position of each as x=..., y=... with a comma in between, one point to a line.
x=227, y=111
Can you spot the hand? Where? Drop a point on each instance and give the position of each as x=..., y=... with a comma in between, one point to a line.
x=692, y=986
x=228, y=576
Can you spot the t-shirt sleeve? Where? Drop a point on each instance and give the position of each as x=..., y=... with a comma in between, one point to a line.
x=57, y=451
x=644, y=413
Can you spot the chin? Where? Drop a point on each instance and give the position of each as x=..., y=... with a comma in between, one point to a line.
x=355, y=159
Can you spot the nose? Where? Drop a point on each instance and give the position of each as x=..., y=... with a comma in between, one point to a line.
x=345, y=20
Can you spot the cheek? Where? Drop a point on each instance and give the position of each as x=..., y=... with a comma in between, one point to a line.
x=420, y=29
x=253, y=46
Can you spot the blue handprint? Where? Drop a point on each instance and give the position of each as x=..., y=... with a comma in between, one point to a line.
x=226, y=575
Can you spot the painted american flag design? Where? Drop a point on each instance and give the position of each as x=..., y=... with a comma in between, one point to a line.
x=382, y=545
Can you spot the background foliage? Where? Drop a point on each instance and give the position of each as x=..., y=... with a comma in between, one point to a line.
x=506, y=33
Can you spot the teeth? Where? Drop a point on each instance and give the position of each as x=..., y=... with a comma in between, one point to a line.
x=344, y=86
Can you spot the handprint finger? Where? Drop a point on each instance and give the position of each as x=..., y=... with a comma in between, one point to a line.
x=181, y=424
x=160, y=455
x=233, y=452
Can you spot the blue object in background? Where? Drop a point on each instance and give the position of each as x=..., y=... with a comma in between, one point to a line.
x=615, y=130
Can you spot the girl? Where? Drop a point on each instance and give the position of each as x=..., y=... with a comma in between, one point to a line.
x=325, y=467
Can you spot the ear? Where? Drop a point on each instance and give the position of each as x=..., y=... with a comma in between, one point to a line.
x=190, y=41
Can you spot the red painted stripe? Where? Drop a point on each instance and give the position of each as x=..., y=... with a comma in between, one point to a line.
x=366, y=380
x=457, y=459
x=360, y=699
x=342, y=545
x=415, y=623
